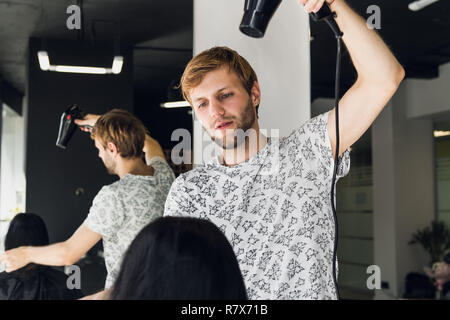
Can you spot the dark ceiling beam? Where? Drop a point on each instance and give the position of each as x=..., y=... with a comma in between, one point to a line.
x=12, y=97
x=159, y=67
x=439, y=49
x=163, y=49
x=421, y=71
x=18, y=3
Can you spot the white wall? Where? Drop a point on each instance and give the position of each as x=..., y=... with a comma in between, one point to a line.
x=281, y=60
x=384, y=197
x=12, y=174
x=404, y=189
x=12, y=177
x=429, y=97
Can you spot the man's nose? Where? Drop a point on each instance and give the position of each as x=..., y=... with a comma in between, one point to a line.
x=216, y=109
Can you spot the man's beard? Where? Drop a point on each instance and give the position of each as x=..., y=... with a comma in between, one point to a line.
x=246, y=122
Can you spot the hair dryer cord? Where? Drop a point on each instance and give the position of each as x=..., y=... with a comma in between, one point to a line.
x=336, y=161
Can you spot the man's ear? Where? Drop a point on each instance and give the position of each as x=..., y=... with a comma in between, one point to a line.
x=111, y=147
x=256, y=94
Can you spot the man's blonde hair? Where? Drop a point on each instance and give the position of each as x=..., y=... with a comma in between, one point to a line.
x=123, y=129
x=213, y=59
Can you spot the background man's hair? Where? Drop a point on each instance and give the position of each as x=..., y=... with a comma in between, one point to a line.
x=213, y=59
x=123, y=129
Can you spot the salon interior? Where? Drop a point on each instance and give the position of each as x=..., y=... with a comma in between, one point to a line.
x=398, y=186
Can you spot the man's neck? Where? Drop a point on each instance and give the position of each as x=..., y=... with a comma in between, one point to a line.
x=246, y=150
x=135, y=166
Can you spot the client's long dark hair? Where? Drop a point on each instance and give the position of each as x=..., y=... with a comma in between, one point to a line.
x=26, y=229
x=179, y=258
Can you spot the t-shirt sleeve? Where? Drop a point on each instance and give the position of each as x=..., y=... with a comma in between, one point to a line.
x=315, y=145
x=105, y=215
x=163, y=172
x=179, y=202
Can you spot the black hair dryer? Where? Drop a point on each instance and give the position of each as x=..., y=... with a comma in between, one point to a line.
x=257, y=14
x=67, y=125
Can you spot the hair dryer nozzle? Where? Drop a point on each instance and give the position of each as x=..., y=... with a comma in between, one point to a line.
x=67, y=125
x=257, y=14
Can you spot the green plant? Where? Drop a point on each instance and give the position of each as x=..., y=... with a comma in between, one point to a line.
x=435, y=239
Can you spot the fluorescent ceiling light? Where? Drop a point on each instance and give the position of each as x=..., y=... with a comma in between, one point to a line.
x=117, y=64
x=77, y=69
x=420, y=4
x=44, y=64
x=175, y=104
x=438, y=133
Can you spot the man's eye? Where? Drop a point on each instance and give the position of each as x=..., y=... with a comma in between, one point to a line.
x=226, y=95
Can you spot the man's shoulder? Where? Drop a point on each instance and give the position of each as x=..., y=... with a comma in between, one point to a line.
x=313, y=125
x=196, y=178
x=197, y=171
x=159, y=164
x=313, y=128
x=108, y=190
x=112, y=187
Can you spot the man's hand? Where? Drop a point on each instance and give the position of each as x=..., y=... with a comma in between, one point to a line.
x=63, y=253
x=89, y=120
x=102, y=295
x=14, y=259
x=313, y=5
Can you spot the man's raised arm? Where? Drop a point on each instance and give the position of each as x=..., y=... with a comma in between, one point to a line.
x=152, y=149
x=379, y=75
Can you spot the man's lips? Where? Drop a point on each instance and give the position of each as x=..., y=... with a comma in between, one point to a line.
x=223, y=125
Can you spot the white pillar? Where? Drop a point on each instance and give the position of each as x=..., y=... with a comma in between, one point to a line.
x=404, y=189
x=428, y=97
x=281, y=60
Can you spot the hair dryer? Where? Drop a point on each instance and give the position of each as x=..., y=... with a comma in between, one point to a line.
x=257, y=14
x=67, y=125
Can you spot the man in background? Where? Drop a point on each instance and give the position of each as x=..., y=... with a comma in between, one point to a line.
x=119, y=210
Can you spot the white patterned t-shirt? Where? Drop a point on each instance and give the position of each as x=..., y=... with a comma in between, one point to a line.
x=120, y=210
x=275, y=209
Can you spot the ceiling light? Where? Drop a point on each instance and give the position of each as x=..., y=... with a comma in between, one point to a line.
x=117, y=64
x=78, y=69
x=438, y=133
x=44, y=64
x=420, y=4
x=175, y=104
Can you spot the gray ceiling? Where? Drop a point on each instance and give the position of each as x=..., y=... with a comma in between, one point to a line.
x=161, y=33
x=160, y=29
